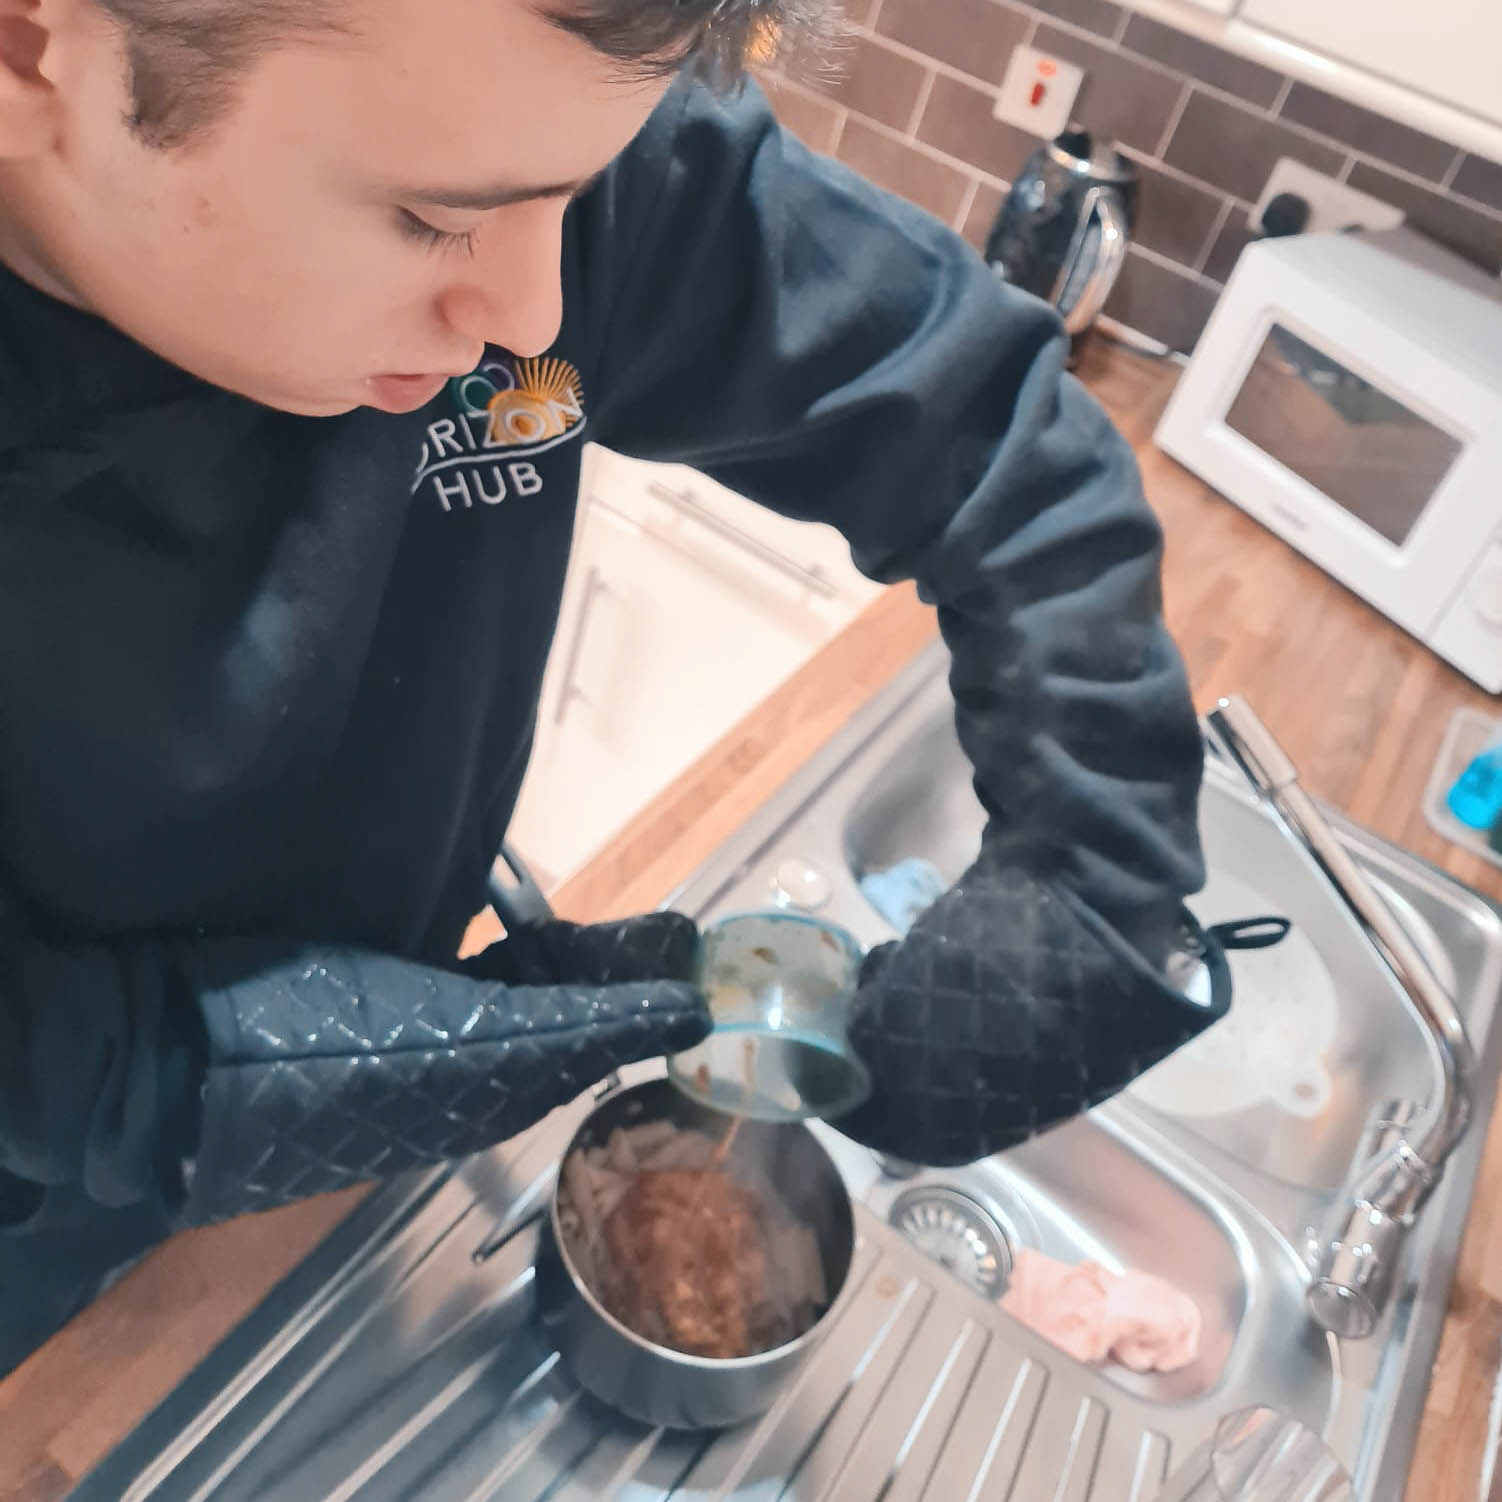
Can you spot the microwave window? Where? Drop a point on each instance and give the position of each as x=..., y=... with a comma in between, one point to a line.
x=1351, y=441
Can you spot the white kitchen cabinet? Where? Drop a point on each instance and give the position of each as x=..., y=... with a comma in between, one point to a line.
x=685, y=606
x=1449, y=49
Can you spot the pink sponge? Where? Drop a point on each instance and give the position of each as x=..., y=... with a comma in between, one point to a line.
x=1093, y=1314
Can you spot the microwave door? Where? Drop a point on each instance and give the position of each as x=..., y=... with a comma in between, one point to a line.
x=1352, y=404
x=1359, y=447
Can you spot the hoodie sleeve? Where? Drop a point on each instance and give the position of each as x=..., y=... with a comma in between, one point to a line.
x=839, y=356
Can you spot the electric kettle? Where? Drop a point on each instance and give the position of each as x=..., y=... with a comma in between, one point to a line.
x=1062, y=232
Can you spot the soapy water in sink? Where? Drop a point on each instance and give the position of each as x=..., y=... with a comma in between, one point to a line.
x=1271, y=1046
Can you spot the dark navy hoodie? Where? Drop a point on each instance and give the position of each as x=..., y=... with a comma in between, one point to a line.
x=274, y=675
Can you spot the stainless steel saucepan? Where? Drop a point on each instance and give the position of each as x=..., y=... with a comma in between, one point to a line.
x=652, y=1383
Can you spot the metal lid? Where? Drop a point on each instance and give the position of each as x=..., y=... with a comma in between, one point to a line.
x=1077, y=151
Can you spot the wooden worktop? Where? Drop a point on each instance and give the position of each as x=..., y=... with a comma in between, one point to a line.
x=1359, y=706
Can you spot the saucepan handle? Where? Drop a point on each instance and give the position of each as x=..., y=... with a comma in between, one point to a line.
x=519, y=900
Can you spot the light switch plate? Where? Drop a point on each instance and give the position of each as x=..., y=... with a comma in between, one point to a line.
x=1038, y=92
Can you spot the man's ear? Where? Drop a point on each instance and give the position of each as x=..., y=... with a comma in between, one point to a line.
x=28, y=102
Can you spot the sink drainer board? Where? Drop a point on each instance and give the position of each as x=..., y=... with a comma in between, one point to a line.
x=413, y=1370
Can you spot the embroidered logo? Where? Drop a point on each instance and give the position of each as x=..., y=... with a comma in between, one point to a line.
x=505, y=409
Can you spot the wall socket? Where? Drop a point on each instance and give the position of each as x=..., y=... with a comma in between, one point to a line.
x=1332, y=205
x=1038, y=92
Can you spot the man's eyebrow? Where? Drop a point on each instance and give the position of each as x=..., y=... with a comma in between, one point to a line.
x=483, y=199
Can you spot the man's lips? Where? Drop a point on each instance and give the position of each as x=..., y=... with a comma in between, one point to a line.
x=404, y=393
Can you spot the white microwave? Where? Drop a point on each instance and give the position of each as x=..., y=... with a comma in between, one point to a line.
x=1347, y=393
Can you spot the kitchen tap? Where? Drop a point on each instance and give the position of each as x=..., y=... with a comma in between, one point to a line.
x=1403, y=1151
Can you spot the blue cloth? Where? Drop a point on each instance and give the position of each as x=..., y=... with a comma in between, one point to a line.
x=902, y=892
x=1476, y=797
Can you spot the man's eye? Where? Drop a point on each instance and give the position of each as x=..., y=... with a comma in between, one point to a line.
x=422, y=233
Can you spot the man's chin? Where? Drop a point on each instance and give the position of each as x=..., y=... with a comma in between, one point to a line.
x=375, y=400
x=303, y=406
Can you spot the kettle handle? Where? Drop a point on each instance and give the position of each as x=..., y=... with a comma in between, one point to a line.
x=1102, y=203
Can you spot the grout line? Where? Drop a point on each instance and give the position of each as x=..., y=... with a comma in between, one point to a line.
x=1147, y=159
x=1083, y=32
x=933, y=153
x=1031, y=34
x=1213, y=236
x=874, y=17
x=1426, y=183
x=839, y=131
x=937, y=65
x=920, y=104
x=1331, y=144
x=1265, y=112
x=967, y=203
x=1447, y=181
x=1121, y=26
x=1175, y=115
x=1136, y=248
x=1179, y=174
x=1344, y=175
x=1282, y=97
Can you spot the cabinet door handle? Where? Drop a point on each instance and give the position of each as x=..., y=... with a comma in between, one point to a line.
x=810, y=578
x=594, y=587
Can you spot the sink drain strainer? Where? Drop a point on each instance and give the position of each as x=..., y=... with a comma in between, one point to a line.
x=958, y=1233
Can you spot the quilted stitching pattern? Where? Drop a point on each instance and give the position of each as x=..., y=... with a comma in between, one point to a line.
x=355, y=1066
x=1003, y=1012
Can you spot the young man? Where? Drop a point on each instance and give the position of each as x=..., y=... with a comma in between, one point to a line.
x=306, y=308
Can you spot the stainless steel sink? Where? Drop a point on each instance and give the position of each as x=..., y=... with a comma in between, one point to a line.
x=918, y=802
x=404, y=1359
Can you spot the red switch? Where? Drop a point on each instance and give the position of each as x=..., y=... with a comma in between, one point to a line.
x=1036, y=97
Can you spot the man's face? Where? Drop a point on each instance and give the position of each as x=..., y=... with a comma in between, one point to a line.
x=308, y=248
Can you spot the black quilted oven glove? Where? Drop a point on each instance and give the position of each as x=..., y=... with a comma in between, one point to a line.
x=329, y=1069
x=1010, y=1006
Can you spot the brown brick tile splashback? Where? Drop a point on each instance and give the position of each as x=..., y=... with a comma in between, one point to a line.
x=1234, y=237
x=1193, y=58
x=1442, y=218
x=1481, y=180
x=814, y=121
x=1222, y=122
x=982, y=215
x=975, y=36
x=874, y=81
x=958, y=120
x=1170, y=306
x=1175, y=217
x=1121, y=99
x=1372, y=134
x=1093, y=15
x=901, y=169
x=1235, y=149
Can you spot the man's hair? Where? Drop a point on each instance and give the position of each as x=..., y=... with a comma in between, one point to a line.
x=186, y=56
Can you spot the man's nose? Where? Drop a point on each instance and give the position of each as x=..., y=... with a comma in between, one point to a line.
x=510, y=292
